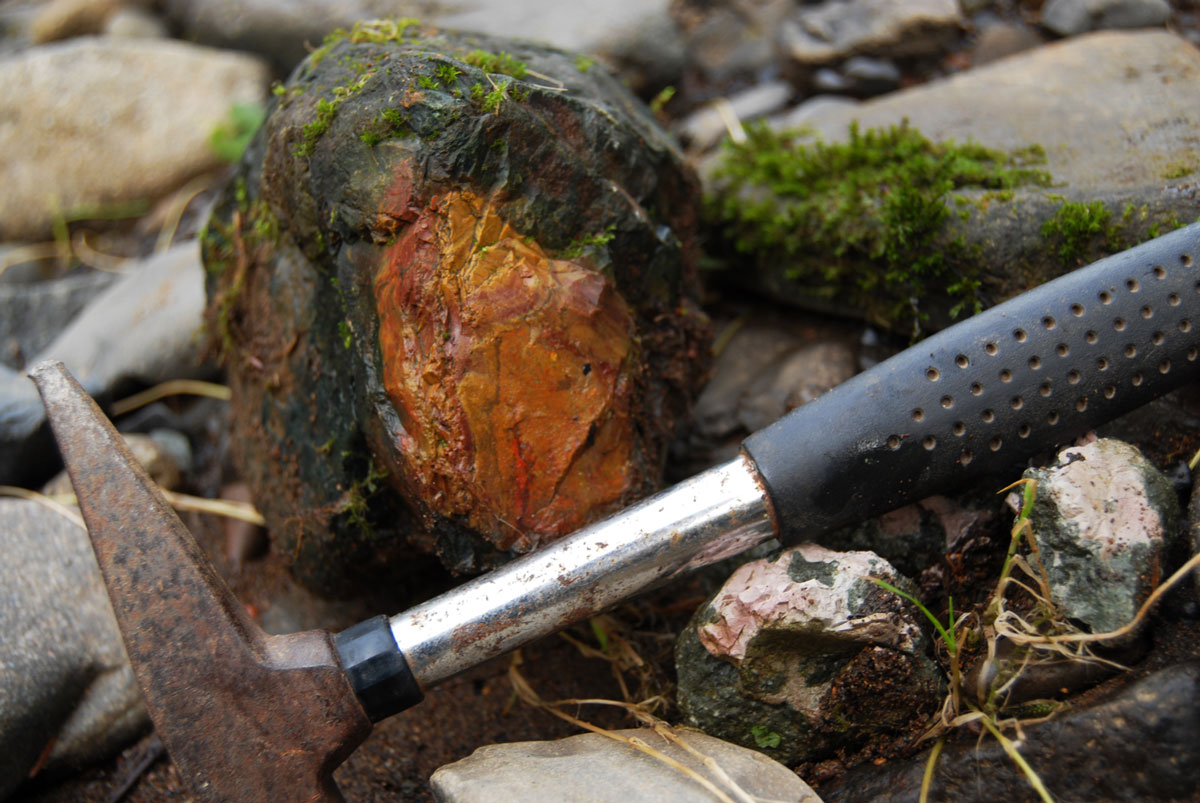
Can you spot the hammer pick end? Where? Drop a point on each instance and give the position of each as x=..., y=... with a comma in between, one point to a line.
x=244, y=716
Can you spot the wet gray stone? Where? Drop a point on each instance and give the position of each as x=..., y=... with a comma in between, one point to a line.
x=790, y=652
x=284, y=30
x=145, y=327
x=752, y=358
x=1144, y=744
x=1115, y=112
x=597, y=769
x=32, y=314
x=797, y=379
x=871, y=76
x=1073, y=17
x=728, y=43
x=825, y=33
x=63, y=672
x=704, y=128
x=1104, y=518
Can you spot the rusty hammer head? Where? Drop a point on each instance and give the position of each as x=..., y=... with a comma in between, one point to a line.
x=245, y=716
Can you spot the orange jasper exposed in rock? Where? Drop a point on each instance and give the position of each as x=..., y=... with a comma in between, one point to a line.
x=512, y=372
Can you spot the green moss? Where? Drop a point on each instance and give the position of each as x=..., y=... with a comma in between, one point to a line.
x=577, y=247
x=367, y=31
x=230, y=249
x=355, y=502
x=1076, y=225
x=864, y=220
x=584, y=63
x=326, y=110
x=502, y=62
x=662, y=99
x=447, y=74
x=493, y=99
x=1179, y=170
x=345, y=333
x=425, y=82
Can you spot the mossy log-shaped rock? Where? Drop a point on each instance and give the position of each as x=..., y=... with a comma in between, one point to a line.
x=455, y=283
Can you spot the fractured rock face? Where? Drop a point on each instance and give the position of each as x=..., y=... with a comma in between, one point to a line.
x=803, y=653
x=1103, y=519
x=455, y=284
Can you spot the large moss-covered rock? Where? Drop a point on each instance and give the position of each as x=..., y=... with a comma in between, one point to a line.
x=969, y=190
x=455, y=285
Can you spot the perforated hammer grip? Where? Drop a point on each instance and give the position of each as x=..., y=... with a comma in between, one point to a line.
x=986, y=394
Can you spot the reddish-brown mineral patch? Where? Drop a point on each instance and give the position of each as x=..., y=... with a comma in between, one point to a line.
x=511, y=372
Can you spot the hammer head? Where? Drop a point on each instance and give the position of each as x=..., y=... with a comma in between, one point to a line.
x=245, y=716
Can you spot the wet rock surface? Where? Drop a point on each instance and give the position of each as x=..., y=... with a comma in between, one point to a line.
x=474, y=282
x=1131, y=95
x=593, y=767
x=1105, y=519
x=1141, y=745
x=787, y=654
x=704, y=51
x=144, y=327
x=67, y=693
x=827, y=32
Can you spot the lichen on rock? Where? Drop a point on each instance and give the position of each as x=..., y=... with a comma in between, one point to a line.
x=457, y=295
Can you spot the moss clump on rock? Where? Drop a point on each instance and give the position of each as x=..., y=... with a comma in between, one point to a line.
x=866, y=220
x=1076, y=224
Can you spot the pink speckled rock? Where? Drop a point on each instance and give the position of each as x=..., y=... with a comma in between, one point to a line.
x=803, y=653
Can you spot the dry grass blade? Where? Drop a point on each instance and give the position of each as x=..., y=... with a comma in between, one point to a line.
x=927, y=777
x=243, y=511
x=174, y=387
x=179, y=204
x=729, y=117
x=1143, y=611
x=58, y=507
x=527, y=695
x=31, y=253
x=1015, y=755
x=95, y=259
x=228, y=508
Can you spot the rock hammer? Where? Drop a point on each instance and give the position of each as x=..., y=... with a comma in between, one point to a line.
x=251, y=717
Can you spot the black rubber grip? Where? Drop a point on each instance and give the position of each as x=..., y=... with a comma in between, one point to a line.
x=377, y=669
x=986, y=394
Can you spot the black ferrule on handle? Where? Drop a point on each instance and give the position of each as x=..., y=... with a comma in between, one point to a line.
x=987, y=394
x=377, y=669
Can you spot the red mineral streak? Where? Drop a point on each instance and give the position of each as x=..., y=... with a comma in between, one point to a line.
x=511, y=371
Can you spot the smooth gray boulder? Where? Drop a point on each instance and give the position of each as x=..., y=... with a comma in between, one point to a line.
x=146, y=327
x=33, y=313
x=1073, y=17
x=804, y=653
x=96, y=122
x=1115, y=115
x=285, y=30
x=822, y=33
x=64, y=677
x=597, y=769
